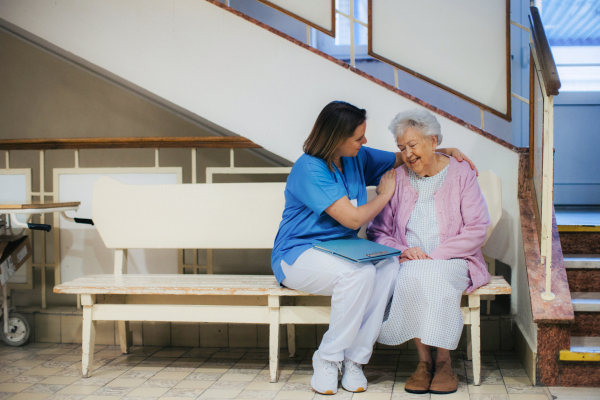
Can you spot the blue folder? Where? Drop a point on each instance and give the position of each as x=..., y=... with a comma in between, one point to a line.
x=357, y=250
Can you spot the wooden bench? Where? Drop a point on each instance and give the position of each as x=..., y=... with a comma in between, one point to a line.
x=215, y=216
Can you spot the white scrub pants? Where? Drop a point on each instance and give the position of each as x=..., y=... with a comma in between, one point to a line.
x=360, y=294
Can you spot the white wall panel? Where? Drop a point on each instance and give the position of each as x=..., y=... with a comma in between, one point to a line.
x=318, y=13
x=460, y=44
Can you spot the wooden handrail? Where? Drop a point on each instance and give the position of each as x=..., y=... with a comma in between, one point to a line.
x=547, y=65
x=128, y=143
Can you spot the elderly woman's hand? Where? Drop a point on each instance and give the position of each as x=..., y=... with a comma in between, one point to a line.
x=387, y=183
x=414, y=253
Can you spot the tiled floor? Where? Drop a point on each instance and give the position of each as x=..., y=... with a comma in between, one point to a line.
x=53, y=372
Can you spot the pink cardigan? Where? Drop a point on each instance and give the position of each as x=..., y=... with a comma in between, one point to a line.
x=462, y=219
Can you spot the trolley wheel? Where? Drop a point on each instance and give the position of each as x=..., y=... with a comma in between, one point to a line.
x=19, y=330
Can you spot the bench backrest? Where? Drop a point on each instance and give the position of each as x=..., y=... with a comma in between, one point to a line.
x=205, y=216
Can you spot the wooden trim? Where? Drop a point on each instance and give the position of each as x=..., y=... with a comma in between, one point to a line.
x=507, y=116
x=38, y=206
x=531, y=111
x=547, y=65
x=307, y=22
x=128, y=143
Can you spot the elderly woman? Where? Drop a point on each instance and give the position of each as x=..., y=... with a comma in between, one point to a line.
x=438, y=218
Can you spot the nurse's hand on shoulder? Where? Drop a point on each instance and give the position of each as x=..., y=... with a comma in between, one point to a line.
x=387, y=183
x=354, y=217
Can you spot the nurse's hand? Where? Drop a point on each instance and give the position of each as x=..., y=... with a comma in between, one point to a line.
x=460, y=157
x=387, y=183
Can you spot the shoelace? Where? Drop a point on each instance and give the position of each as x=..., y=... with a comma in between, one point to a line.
x=331, y=368
x=353, y=367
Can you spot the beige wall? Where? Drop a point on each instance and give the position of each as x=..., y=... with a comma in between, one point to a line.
x=46, y=96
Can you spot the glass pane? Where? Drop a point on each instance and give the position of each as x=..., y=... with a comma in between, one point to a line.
x=360, y=10
x=361, y=35
x=342, y=31
x=343, y=6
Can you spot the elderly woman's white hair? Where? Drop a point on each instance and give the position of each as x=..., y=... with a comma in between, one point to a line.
x=419, y=119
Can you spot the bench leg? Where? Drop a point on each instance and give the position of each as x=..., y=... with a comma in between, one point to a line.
x=88, y=336
x=125, y=337
x=274, y=338
x=291, y=339
x=474, y=306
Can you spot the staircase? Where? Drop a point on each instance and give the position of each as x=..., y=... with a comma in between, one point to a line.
x=579, y=229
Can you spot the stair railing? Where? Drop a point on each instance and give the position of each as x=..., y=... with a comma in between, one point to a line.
x=544, y=85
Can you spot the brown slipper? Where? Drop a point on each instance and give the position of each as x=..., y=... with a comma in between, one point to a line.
x=419, y=382
x=444, y=381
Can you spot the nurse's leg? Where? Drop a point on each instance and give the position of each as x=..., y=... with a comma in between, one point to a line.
x=350, y=286
x=385, y=280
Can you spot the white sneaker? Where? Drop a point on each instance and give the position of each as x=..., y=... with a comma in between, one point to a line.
x=325, y=376
x=354, y=379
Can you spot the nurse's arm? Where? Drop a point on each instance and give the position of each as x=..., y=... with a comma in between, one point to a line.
x=451, y=151
x=354, y=217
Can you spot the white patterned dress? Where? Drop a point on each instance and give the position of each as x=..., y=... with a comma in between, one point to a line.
x=426, y=300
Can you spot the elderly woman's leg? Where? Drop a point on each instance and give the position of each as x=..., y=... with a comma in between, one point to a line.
x=444, y=381
x=420, y=381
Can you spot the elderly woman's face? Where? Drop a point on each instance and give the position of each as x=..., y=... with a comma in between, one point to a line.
x=417, y=150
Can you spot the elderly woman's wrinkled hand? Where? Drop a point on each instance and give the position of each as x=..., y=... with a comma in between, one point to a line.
x=414, y=253
x=387, y=183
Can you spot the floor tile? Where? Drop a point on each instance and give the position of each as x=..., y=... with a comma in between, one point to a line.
x=194, y=384
x=43, y=371
x=499, y=389
x=6, y=377
x=237, y=377
x=517, y=380
x=147, y=392
x=451, y=396
x=265, y=386
x=79, y=389
x=121, y=382
x=488, y=396
x=96, y=397
x=183, y=393
x=171, y=375
x=220, y=393
x=571, y=393
x=27, y=363
x=371, y=396
x=60, y=380
x=14, y=387
x=291, y=395
x=528, y=396
x=30, y=396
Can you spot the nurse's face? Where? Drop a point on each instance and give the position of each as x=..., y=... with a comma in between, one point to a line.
x=351, y=146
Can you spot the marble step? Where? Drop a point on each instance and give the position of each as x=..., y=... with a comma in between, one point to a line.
x=580, y=261
x=586, y=301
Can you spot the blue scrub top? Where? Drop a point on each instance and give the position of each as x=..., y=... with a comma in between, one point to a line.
x=311, y=188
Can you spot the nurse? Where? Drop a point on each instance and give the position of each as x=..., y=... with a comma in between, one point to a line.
x=326, y=199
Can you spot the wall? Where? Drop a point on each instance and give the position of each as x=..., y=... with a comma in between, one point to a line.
x=576, y=140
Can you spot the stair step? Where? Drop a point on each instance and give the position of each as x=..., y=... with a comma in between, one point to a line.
x=585, y=344
x=567, y=355
x=576, y=261
x=586, y=301
x=578, y=218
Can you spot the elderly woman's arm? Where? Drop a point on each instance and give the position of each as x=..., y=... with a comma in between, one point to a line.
x=381, y=228
x=476, y=219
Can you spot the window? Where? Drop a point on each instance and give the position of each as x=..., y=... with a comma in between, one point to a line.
x=573, y=32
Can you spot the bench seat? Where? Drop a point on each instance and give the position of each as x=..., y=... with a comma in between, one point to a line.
x=253, y=299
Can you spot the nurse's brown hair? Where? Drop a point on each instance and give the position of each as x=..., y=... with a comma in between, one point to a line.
x=336, y=123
